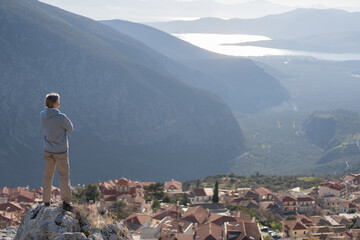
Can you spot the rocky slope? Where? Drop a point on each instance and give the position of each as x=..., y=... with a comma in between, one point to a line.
x=53, y=222
x=132, y=116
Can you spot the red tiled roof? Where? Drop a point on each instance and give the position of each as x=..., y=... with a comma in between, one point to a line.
x=294, y=225
x=199, y=192
x=195, y=215
x=110, y=199
x=333, y=185
x=267, y=205
x=305, y=199
x=244, y=230
x=304, y=219
x=209, y=231
x=10, y=207
x=263, y=191
x=109, y=192
x=288, y=199
x=173, y=185
x=138, y=219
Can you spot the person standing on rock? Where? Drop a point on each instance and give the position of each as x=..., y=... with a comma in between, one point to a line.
x=55, y=126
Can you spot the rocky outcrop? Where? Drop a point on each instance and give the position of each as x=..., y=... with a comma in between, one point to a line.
x=83, y=223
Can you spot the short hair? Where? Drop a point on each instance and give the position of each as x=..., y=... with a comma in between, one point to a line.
x=51, y=99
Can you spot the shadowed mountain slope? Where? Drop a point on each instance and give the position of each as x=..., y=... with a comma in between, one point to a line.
x=132, y=117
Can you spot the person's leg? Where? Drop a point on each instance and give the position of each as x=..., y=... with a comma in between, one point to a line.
x=50, y=164
x=62, y=163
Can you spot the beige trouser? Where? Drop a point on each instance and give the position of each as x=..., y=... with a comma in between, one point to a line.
x=61, y=161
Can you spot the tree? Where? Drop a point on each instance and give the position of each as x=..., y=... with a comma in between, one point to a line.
x=121, y=211
x=166, y=198
x=79, y=195
x=185, y=200
x=92, y=193
x=215, y=197
x=155, y=205
x=156, y=190
x=197, y=183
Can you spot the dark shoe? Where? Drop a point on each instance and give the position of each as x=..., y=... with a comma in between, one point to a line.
x=47, y=204
x=67, y=207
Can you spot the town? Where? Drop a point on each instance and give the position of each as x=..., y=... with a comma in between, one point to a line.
x=154, y=210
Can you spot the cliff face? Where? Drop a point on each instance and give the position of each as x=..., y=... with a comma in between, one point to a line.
x=338, y=133
x=131, y=116
x=320, y=129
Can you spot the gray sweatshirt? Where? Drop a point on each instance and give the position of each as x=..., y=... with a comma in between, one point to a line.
x=55, y=125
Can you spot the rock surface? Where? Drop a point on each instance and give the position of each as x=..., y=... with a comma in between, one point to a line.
x=53, y=222
x=8, y=233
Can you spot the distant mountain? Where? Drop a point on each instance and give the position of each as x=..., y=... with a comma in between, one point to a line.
x=132, y=116
x=293, y=24
x=337, y=133
x=330, y=30
x=239, y=82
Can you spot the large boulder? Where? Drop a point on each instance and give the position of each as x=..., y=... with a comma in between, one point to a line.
x=53, y=222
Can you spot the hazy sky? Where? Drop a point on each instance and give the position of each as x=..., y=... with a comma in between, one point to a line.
x=164, y=10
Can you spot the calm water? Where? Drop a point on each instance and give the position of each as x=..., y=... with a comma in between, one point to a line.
x=214, y=43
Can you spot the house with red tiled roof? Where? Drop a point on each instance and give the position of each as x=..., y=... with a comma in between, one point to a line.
x=295, y=229
x=330, y=202
x=269, y=206
x=136, y=204
x=196, y=215
x=347, y=207
x=305, y=204
x=120, y=190
x=320, y=221
x=11, y=207
x=221, y=219
x=201, y=195
x=10, y=217
x=289, y=203
x=242, y=230
x=136, y=221
x=337, y=220
x=331, y=188
x=173, y=210
x=178, y=226
x=23, y=197
x=305, y=220
x=209, y=231
x=248, y=194
x=265, y=194
x=351, y=178
x=173, y=186
x=176, y=236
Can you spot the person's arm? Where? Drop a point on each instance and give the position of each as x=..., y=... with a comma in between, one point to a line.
x=68, y=126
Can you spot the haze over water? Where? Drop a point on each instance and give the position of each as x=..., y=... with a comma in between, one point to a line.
x=221, y=43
